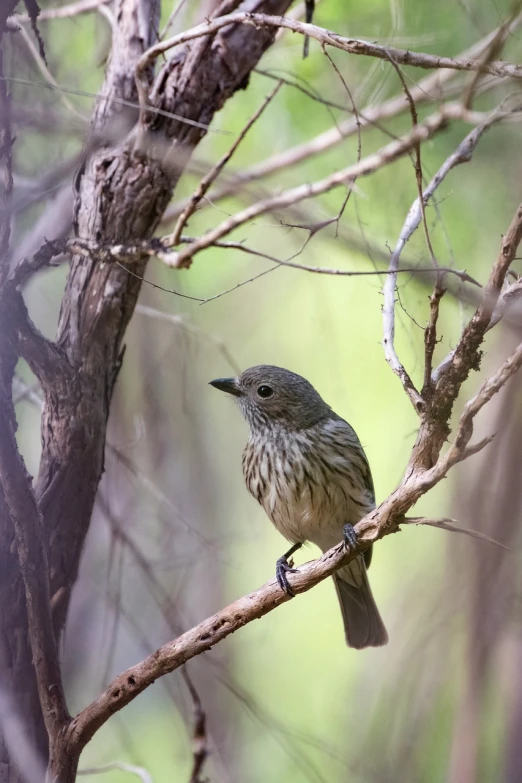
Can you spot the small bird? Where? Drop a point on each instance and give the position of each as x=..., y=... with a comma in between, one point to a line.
x=306, y=467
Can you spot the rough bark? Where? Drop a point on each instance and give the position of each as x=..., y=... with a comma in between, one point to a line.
x=121, y=192
x=121, y=195
x=20, y=713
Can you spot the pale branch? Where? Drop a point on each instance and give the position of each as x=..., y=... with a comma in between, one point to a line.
x=384, y=520
x=422, y=92
x=462, y=154
x=368, y=165
x=53, y=253
x=324, y=141
x=508, y=300
x=62, y=12
x=325, y=37
x=140, y=772
x=430, y=333
x=453, y=527
x=213, y=173
x=49, y=78
x=492, y=53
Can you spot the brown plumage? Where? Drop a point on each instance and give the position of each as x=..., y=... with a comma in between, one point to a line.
x=306, y=467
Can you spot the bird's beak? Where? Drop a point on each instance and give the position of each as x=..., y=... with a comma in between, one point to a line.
x=228, y=385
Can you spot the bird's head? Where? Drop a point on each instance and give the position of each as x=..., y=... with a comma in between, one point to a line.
x=270, y=395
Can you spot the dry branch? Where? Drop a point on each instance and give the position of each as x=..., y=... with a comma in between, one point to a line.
x=462, y=154
x=325, y=37
x=214, y=172
x=62, y=12
x=370, y=164
x=121, y=191
x=369, y=116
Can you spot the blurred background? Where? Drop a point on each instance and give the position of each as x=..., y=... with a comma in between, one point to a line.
x=175, y=535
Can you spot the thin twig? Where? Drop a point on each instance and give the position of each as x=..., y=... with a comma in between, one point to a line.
x=140, y=772
x=492, y=52
x=173, y=239
x=366, y=166
x=369, y=116
x=452, y=526
x=359, y=139
x=325, y=37
x=62, y=12
x=462, y=154
x=52, y=83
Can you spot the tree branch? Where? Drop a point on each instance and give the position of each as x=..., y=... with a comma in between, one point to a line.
x=462, y=154
x=174, y=238
x=369, y=116
x=384, y=156
x=325, y=37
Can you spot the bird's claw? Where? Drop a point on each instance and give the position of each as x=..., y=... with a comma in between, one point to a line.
x=349, y=537
x=284, y=567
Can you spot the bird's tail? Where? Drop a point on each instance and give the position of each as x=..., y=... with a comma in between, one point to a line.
x=363, y=625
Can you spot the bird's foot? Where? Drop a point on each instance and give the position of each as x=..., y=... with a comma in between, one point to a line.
x=349, y=537
x=284, y=566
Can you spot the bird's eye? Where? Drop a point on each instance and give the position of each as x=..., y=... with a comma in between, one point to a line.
x=265, y=391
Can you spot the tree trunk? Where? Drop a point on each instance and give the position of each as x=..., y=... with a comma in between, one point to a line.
x=121, y=193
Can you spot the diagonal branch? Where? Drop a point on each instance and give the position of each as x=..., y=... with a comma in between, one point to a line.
x=17, y=493
x=382, y=521
x=462, y=154
x=214, y=172
x=325, y=37
x=386, y=155
x=421, y=92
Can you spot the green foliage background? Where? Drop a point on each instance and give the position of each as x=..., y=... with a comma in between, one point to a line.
x=306, y=708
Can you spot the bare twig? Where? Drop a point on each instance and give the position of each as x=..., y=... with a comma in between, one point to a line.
x=325, y=37
x=366, y=166
x=492, y=52
x=453, y=527
x=173, y=239
x=178, y=6
x=462, y=154
x=369, y=116
x=42, y=66
x=359, y=138
x=63, y=12
x=430, y=333
x=142, y=773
